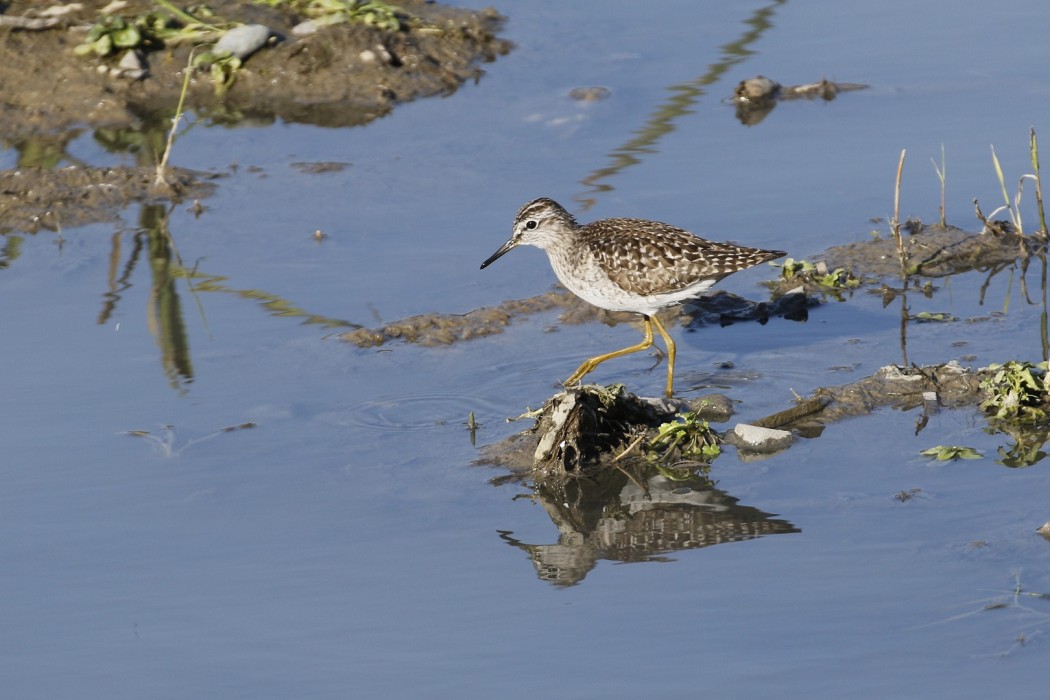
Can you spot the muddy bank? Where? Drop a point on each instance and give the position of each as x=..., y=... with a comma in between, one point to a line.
x=934, y=251
x=339, y=75
x=32, y=199
x=593, y=429
x=719, y=308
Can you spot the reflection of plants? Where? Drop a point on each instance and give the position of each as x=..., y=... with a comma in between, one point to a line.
x=1016, y=601
x=166, y=444
x=1026, y=448
x=274, y=305
x=1016, y=392
x=946, y=453
x=46, y=150
x=165, y=318
x=687, y=437
x=10, y=252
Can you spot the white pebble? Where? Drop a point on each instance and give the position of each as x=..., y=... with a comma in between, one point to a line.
x=245, y=40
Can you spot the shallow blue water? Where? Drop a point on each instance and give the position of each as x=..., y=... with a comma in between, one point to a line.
x=348, y=546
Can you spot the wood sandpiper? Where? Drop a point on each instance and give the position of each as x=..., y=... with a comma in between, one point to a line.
x=627, y=265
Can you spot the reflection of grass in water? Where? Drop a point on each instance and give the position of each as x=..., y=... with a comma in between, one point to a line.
x=154, y=241
x=166, y=443
x=276, y=305
x=683, y=98
x=11, y=251
x=1035, y=621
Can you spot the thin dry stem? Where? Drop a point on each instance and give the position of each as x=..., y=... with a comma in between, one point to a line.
x=1033, y=147
x=942, y=175
x=895, y=223
x=162, y=166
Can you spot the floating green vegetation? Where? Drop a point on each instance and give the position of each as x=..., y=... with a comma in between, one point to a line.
x=686, y=437
x=932, y=317
x=950, y=453
x=374, y=13
x=1017, y=392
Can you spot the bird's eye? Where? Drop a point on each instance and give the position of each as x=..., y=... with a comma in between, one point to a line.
x=531, y=224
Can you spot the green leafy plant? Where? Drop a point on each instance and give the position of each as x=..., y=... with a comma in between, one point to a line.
x=945, y=453
x=152, y=30
x=223, y=66
x=688, y=436
x=114, y=33
x=374, y=13
x=804, y=271
x=1013, y=206
x=1016, y=391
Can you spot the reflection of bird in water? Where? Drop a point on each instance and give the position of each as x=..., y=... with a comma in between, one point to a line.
x=647, y=524
x=627, y=265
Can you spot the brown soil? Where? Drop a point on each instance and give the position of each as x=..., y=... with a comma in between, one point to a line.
x=319, y=79
x=37, y=198
x=344, y=74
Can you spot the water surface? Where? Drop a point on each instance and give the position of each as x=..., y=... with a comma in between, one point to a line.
x=346, y=545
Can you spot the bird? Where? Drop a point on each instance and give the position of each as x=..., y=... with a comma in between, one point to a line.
x=633, y=265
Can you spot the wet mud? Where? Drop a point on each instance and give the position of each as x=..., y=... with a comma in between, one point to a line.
x=32, y=199
x=337, y=75
x=340, y=75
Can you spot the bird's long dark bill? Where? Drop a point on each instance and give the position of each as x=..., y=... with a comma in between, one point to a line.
x=503, y=249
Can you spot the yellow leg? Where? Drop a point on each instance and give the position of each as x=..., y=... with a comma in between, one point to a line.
x=670, y=355
x=588, y=366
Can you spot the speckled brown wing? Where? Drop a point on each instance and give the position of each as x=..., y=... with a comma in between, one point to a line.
x=648, y=257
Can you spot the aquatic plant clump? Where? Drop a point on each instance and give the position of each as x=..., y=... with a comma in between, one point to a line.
x=687, y=437
x=1017, y=391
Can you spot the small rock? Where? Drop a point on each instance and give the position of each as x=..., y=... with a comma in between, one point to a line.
x=305, y=28
x=245, y=40
x=383, y=54
x=757, y=89
x=713, y=407
x=132, y=65
x=590, y=94
x=755, y=439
